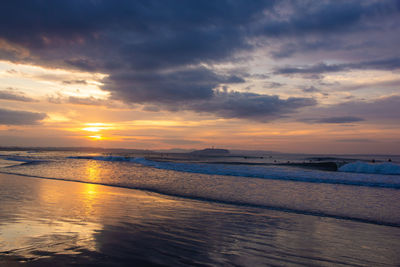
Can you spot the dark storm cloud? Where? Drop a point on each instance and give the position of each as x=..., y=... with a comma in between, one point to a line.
x=314, y=69
x=316, y=17
x=171, y=87
x=339, y=120
x=154, y=52
x=252, y=106
x=15, y=96
x=16, y=117
x=361, y=27
x=383, y=64
x=136, y=34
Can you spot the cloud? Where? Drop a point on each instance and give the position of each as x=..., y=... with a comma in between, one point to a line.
x=167, y=53
x=273, y=85
x=328, y=16
x=16, y=117
x=357, y=140
x=90, y=101
x=252, y=106
x=290, y=48
x=86, y=101
x=380, y=110
x=311, y=89
x=314, y=69
x=15, y=96
x=339, y=23
x=347, y=119
x=383, y=64
x=171, y=87
x=75, y=82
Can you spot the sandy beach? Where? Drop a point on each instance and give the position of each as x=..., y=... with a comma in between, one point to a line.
x=48, y=222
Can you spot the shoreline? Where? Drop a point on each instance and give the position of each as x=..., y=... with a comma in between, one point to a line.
x=180, y=197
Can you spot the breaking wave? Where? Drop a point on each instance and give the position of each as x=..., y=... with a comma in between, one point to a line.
x=378, y=168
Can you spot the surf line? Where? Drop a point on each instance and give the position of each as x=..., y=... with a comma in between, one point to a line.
x=275, y=208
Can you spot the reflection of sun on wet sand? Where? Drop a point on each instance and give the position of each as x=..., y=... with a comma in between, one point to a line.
x=51, y=222
x=48, y=217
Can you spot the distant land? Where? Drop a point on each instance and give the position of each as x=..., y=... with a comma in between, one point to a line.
x=214, y=151
x=194, y=152
x=211, y=152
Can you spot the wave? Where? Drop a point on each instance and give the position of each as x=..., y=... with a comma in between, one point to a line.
x=304, y=191
x=264, y=172
x=18, y=160
x=378, y=168
x=232, y=201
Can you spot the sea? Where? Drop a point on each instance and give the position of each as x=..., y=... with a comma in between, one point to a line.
x=328, y=209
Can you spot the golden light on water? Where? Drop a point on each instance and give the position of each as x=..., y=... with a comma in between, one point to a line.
x=90, y=189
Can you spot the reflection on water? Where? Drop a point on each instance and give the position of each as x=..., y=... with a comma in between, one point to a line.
x=94, y=171
x=374, y=204
x=50, y=222
x=30, y=238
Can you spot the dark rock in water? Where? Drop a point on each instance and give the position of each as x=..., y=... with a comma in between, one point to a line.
x=324, y=166
x=211, y=152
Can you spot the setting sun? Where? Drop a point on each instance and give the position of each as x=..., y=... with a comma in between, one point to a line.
x=92, y=129
x=96, y=128
x=96, y=137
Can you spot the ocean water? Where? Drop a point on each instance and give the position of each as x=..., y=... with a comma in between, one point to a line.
x=358, y=190
x=241, y=199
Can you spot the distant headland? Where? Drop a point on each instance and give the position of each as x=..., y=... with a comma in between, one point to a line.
x=211, y=152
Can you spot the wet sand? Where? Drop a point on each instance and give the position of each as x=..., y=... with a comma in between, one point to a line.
x=60, y=223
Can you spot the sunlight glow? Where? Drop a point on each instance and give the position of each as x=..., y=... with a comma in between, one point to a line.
x=56, y=83
x=97, y=127
x=96, y=137
x=93, y=129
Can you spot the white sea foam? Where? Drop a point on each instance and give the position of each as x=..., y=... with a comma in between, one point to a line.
x=379, y=168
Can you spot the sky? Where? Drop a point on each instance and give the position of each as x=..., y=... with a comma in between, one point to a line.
x=289, y=76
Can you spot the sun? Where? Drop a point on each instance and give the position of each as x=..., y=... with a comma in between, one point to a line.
x=92, y=129
x=96, y=129
x=96, y=137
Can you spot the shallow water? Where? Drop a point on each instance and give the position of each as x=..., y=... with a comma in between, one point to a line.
x=364, y=197
x=48, y=222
